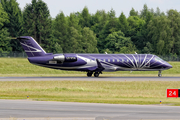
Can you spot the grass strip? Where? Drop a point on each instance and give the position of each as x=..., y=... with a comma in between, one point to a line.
x=114, y=92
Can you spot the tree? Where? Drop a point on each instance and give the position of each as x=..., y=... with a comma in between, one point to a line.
x=15, y=17
x=158, y=12
x=4, y=19
x=135, y=26
x=74, y=34
x=15, y=24
x=52, y=45
x=160, y=34
x=89, y=42
x=112, y=14
x=144, y=12
x=174, y=18
x=37, y=21
x=110, y=26
x=85, y=18
x=75, y=39
x=4, y=40
x=102, y=17
x=147, y=15
x=133, y=12
x=4, y=35
x=73, y=22
x=95, y=19
x=118, y=43
x=142, y=35
x=57, y=48
x=123, y=24
x=60, y=27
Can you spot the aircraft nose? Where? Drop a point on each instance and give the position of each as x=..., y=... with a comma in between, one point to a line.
x=168, y=66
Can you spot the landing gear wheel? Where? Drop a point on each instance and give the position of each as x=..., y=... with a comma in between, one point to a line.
x=159, y=74
x=96, y=74
x=89, y=74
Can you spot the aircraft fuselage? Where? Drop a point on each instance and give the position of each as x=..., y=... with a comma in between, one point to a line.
x=110, y=62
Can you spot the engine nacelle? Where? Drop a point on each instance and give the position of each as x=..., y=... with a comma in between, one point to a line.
x=66, y=58
x=60, y=58
x=70, y=57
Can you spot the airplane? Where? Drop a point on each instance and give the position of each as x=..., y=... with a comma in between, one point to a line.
x=91, y=63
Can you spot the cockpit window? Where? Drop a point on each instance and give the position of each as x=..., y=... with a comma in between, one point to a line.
x=158, y=59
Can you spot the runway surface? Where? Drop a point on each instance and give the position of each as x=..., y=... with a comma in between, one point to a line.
x=39, y=109
x=90, y=78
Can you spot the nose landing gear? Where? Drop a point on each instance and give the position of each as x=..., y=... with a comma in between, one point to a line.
x=159, y=74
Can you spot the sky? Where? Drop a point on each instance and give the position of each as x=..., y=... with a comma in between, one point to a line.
x=70, y=6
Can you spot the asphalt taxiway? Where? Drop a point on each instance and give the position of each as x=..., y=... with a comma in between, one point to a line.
x=90, y=78
x=43, y=109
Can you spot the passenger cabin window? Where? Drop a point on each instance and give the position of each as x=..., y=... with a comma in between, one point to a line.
x=109, y=60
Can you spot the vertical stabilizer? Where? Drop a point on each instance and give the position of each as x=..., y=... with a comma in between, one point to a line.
x=31, y=47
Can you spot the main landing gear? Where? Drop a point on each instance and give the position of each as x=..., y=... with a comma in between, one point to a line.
x=96, y=74
x=159, y=74
x=89, y=74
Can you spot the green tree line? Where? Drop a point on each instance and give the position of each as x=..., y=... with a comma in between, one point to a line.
x=147, y=31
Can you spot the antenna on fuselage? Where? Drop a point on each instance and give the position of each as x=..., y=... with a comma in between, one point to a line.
x=135, y=53
x=106, y=53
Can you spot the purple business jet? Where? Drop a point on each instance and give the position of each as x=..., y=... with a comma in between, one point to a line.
x=91, y=63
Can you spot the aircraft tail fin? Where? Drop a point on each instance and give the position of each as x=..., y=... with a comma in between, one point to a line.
x=31, y=47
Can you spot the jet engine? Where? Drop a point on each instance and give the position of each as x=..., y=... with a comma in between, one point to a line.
x=66, y=58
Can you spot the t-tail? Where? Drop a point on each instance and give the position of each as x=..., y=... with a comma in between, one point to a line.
x=31, y=47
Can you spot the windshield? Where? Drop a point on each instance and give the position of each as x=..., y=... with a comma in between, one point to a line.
x=159, y=59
